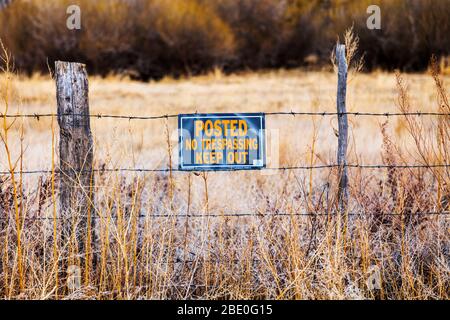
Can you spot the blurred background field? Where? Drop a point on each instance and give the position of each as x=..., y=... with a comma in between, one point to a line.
x=149, y=39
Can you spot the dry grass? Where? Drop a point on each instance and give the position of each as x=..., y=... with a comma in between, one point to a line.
x=216, y=256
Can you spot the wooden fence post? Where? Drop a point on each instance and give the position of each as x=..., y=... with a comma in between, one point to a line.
x=76, y=160
x=343, y=125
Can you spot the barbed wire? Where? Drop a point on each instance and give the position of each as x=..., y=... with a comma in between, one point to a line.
x=292, y=113
x=167, y=170
x=38, y=116
x=248, y=215
x=356, y=113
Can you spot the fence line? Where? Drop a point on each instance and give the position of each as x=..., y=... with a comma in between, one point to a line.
x=166, y=170
x=67, y=88
x=38, y=116
x=248, y=215
x=341, y=113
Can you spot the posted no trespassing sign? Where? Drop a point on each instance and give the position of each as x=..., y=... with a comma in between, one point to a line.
x=222, y=141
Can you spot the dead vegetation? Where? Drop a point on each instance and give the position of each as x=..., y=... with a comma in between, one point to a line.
x=149, y=39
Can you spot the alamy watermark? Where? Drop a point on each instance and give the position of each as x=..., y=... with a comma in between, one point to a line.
x=73, y=278
x=374, y=20
x=73, y=22
x=373, y=281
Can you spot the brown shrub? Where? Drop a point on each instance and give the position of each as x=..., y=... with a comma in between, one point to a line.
x=152, y=38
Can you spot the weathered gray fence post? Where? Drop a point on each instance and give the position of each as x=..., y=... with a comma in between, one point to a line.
x=343, y=125
x=76, y=157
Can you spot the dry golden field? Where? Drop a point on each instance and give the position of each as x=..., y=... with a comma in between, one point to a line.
x=380, y=249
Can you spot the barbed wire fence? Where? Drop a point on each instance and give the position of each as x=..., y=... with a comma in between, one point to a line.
x=69, y=98
x=37, y=117
x=250, y=215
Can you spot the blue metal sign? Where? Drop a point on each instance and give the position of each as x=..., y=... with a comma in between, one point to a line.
x=220, y=141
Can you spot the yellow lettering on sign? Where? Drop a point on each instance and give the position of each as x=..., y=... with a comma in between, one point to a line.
x=218, y=129
x=208, y=128
x=231, y=128
x=198, y=158
x=198, y=127
x=221, y=141
x=188, y=144
x=243, y=127
x=208, y=157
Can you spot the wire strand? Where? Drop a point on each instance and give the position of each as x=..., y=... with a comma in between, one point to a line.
x=166, y=170
x=251, y=215
x=38, y=116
